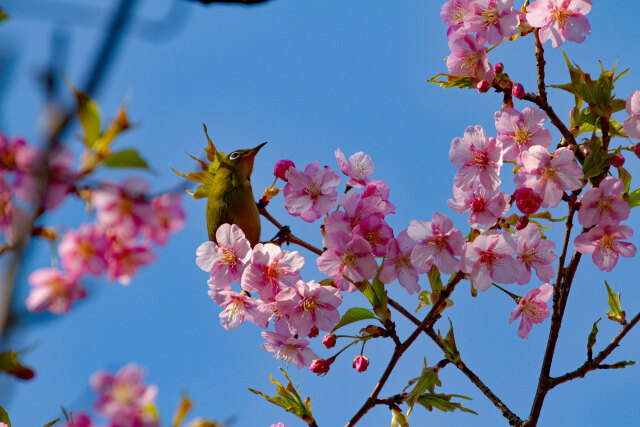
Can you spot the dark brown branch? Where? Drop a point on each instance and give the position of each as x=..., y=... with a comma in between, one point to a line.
x=508, y=414
x=290, y=238
x=592, y=365
x=540, y=63
x=429, y=320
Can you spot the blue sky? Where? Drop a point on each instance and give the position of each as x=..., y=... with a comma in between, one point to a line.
x=309, y=77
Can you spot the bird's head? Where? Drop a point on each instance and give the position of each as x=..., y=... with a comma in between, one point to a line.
x=241, y=161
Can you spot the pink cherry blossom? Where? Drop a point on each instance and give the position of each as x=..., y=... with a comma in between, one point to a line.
x=168, y=218
x=632, y=124
x=437, y=242
x=486, y=206
x=238, y=307
x=534, y=252
x=358, y=168
x=493, y=20
x=287, y=349
x=478, y=157
x=227, y=259
x=123, y=393
x=468, y=57
x=308, y=305
x=527, y=200
x=30, y=163
x=453, y=14
x=547, y=176
x=80, y=419
x=53, y=290
x=9, y=149
x=378, y=190
x=397, y=263
x=560, y=20
x=123, y=208
x=270, y=270
x=312, y=193
x=532, y=308
x=358, y=207
x=124, y=257
x=519, y=131
x=603, y=242
x=489, y=259
x=84, y=251
x=603, y=205
x=351, y=257
x=376, y=231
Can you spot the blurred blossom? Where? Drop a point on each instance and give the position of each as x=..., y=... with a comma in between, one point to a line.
x=53, y=290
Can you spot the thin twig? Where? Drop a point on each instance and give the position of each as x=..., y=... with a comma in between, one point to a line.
x=592, y=365
x=430, y=318
x=508, y=414
x=290, y=238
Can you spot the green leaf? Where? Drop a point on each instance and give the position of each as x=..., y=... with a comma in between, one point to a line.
x=625, y=177
x=451, y=350
x=353, y=315
x=3, y=15
x=591, y=339
x=126, y=159
x=546, y=215
x=463, y=82
x=119, y=124
x=88, y=115
x=616, y=314
x=289, y=399
x=435, y=280
x=425, y=298
x=443, y=402
x=427, y=380
x=10, y=363
x=49, y=424
x=380, y=308
x=4, y=417
x=595, y=163
x=634, y=198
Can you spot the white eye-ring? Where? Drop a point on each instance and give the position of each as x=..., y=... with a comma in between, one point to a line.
x=234, y=155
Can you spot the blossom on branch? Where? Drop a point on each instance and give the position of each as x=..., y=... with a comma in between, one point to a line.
x=84, y=251
x=225, y=260
x=397, y=263
x=519, y=131
x=547, y=176
x=632, y=124
x=532, y=308
x=357, y=168
x=478, y=158
x=238, y=307
x=560, y=20
x=287, y=349
x=453, y=14
x=534, y=252
x=486, y=206
x=603, y=205
x=489, y=258
x=493, y=20
x=603, y=242
x=53, y=290
x=468, y=57
x=350, y=257
x=271, y=270
x=437, y=242
x=312, y=193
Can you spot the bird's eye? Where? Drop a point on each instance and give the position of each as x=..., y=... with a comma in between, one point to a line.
x=234, y=155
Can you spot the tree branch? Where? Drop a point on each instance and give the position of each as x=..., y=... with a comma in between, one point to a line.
x=592, y=365
x=288, y=236
x=508, y=414
x=430, y=318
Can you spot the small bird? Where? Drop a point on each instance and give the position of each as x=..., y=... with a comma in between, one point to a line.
x=231, y=198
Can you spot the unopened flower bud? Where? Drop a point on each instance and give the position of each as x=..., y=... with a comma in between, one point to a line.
x=527, y=200
x=281, y=168
x=321, y=366
x=586, y=151
x=361, y=363
x=329, y=340
x=483, y=86
x=617, y=161
x=498, y=68
x=518, y=91
x=23, y=372
x=374, y=331
x=636, y=149
x=523, y=221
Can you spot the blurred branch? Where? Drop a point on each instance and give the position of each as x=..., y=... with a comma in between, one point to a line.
x=245, y=2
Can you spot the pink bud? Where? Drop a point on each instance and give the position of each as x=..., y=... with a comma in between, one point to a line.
x=586, y=151
x=498, y=68
x=321, y=366
x=483, y=86
x=329, y=340
x=527, y=200
x=281, y=168
x=518, y=91
x=361, y=363
x=314, y=332
x=617, y=161
x=522, y=222
x=636, y=149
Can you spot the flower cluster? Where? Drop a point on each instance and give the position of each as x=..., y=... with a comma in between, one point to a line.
x=119, y=242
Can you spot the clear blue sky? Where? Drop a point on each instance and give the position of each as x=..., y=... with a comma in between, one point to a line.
x=309, y=77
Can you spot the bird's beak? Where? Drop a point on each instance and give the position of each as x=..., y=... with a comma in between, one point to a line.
x=256, y=149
